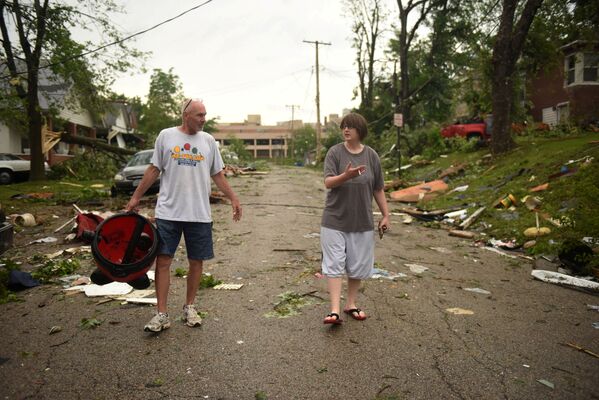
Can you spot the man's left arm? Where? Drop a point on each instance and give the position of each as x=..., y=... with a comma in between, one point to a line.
x=222, y=184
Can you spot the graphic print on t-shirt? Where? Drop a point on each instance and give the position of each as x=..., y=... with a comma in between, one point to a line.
x=186, y=155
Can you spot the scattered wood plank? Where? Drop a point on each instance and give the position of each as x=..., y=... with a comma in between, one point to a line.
x=461, y=234
x=468, y=221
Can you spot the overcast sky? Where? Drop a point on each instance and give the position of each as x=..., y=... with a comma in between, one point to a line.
x=247, y=56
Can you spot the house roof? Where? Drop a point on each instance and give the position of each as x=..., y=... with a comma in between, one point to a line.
x=580, y=44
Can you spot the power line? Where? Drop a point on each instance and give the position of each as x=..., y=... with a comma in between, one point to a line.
x=113, y=43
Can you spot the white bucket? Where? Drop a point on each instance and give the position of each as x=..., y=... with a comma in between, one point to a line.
x=25, y=220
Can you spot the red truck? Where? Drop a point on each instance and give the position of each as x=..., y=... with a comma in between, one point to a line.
x=469, y=128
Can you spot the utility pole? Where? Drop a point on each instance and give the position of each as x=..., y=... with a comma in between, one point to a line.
x=318, y=126
x=293, y=107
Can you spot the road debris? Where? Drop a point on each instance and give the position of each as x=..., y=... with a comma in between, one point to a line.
x=468, y=221
x=441, y=250
x=477, y=290
x=228, y=286
x=563, y=279
x=546, y=383
x=25, y=220
x=461, y=234
x=582, y=349
x=459, y=311
x=110, y=289
x=312, y=235
x=55, y=329
x=421, y=192
x=49, y=239
x=289, y=304
x=417, y=268
x=383, y=274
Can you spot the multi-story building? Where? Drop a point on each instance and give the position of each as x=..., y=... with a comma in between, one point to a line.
x=262, y=141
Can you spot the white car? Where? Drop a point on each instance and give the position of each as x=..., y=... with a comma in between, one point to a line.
x=13, y=167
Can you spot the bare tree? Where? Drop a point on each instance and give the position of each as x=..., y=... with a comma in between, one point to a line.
x=406, y=36
x=506, y=51
x=367, y=16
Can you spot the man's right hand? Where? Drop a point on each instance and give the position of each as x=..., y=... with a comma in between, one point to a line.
x=132, y=205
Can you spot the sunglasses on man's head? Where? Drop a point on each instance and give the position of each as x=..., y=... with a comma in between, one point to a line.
x=187, y=105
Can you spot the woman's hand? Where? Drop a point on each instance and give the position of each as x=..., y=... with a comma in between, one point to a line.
x=356, y=171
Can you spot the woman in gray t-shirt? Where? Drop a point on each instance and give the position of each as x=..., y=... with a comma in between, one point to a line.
x=353, y=175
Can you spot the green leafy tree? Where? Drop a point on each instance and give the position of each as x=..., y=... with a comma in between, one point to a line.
x=367, y=18
x=304, y=141
x=163, y=106
x=237, y=146
x=333, y=135
x=37, y=39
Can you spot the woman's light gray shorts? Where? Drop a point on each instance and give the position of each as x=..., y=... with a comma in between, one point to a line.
x=347, y=253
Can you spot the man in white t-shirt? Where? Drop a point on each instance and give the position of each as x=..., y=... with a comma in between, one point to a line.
x=186, y=159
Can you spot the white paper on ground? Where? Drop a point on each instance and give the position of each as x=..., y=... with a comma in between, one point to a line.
x=416, y=268
x=140, y=293
x=111, y=289
x=562, y=279
x=139, y=300
x=477, y=290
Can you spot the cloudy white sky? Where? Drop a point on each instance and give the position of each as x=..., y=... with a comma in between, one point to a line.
x=247, y=56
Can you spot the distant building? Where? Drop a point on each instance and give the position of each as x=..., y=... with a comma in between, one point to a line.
x=262, y=141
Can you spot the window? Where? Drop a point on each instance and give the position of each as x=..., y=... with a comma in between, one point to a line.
x=248, y=142
x=263, y=154
x=278, y=142
x=571, y=69
x=278, y=153
x=262, y=142
x=591, y=63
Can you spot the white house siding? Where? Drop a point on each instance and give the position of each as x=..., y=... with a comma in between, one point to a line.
x=10, y=141
x=550, y=116
x=82, y=118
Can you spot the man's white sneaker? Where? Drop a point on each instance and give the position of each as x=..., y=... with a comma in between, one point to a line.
x=190, y=316
x=158, y=323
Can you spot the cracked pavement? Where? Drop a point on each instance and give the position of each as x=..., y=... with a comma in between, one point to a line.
x=411, y=347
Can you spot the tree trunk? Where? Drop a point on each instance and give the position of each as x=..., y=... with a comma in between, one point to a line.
x=35, y=131
x=95, y=144
x=506, y=51
x=404, y=80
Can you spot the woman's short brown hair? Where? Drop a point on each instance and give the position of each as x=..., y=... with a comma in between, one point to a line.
x=356, y=121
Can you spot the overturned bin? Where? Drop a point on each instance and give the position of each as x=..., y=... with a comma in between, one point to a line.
x=124, y=248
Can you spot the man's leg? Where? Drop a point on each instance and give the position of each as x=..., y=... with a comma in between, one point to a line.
x=353, y=286
x=163, y=280
x=194, y=276
x=193, y=280
x=161, y=320
x=334, y=285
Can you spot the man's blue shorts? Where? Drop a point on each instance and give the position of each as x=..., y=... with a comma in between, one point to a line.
x=198, y=238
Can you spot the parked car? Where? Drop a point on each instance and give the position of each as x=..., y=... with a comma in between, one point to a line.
x=127, y=179
x=13, y=168
x=471, y=129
